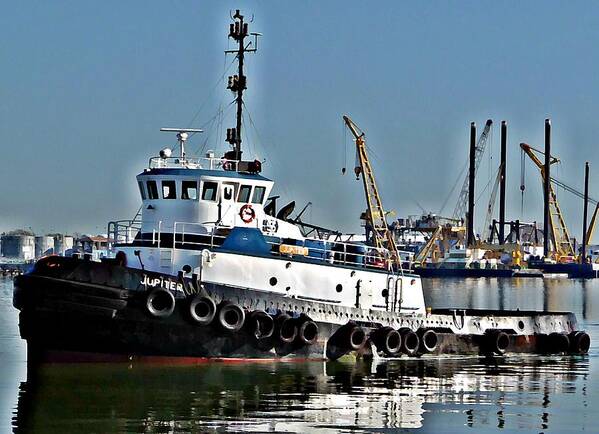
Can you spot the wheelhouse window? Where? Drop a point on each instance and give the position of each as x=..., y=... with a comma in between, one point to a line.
x=169, y=190
x=209, y=191
x=244, y=194
x=142, y=191
x=258, y=196
x=152, y=190
x=189, y=190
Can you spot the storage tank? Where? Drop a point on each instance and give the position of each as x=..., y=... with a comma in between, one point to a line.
x=18, y=245
x=44, y=245
x=68, y=242
x=62, y=243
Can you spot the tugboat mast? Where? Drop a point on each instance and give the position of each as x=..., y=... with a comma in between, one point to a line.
x=237, y=83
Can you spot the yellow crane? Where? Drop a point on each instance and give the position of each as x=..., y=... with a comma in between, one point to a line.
x=428, y=248
x=559, y=236
x=376, y=217
x=591, y=229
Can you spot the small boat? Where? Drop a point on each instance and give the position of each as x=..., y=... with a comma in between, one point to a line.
x=461, y=263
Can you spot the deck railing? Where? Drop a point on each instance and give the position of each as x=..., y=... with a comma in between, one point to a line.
x=193, y=236
x=123, y=231
x=210, y=163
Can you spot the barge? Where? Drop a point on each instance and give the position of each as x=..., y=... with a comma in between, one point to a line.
x=207, y=270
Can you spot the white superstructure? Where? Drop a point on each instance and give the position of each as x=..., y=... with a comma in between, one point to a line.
x=223, y=234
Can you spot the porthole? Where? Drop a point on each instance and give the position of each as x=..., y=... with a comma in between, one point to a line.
x=521, y=325
x=273, y=281
x=385, y=293
x=339, y=287
x=187, y=268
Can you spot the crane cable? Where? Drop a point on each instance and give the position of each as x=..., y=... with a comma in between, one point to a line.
x=344, y=149
x=455, y=185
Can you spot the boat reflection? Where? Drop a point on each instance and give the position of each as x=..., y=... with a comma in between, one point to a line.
x=559, y=294
x=315, y=396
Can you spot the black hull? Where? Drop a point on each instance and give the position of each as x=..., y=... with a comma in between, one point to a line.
x=573, y=270
x=77, y=310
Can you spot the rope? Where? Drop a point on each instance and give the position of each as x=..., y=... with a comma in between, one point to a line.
x=218, y=82
x=455, y=184
x=216, y=119
x=483, y=190
x=282, y=185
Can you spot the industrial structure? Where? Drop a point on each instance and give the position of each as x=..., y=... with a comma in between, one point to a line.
x=22, y=246
x=19, y=244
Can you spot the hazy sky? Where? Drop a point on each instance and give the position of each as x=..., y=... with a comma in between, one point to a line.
x=85, y=87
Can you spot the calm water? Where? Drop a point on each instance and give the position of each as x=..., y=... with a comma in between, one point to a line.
x=516, y=394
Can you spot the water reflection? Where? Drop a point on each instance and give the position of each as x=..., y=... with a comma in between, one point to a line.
x=558, y=294
x=524, y=393
x=298, y=397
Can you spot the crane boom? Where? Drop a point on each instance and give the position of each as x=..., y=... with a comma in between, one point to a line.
x=376, y=217
x=460, y=208
x=591, y=229
x=423, y=253
x=491, y=205
x=560, y=238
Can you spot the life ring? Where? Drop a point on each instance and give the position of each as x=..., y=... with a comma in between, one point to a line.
x=247, y=213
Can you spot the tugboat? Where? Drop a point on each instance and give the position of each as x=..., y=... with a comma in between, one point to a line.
x=206, y=270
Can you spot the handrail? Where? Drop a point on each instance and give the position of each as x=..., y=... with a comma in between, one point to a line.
x=209, y=163
x=338, y=252
x=159, y=227
x=121, y=230
x=333, y=252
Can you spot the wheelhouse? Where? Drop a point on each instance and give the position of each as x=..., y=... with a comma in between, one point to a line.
x=207, y=198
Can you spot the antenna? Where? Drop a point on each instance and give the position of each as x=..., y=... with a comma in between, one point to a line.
x=182, y=136
x=238, y=30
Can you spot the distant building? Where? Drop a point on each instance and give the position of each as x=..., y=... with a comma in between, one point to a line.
x=97, y=246
x=18, y=244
